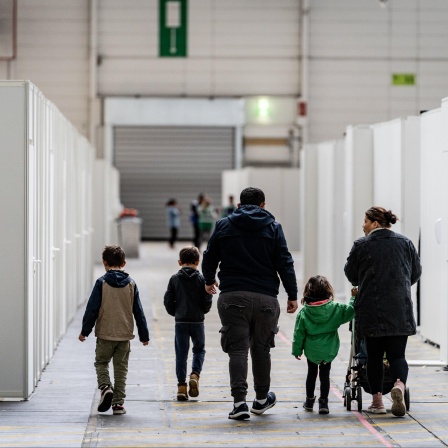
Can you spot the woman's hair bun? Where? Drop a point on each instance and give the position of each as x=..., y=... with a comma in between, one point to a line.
x=390, y=217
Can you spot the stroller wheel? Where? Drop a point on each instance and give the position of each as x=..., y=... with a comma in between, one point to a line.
x=407, y=398
x=359, y=398
x=348, y=398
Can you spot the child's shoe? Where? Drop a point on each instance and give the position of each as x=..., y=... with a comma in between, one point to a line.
x=377, y=406
x=182, y=394
x=194, y=384
x=106, y=398
x=308, y=404
x=118, y=409
x=323, y=406
x=397, y=395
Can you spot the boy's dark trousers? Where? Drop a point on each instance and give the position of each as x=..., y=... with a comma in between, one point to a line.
x=183, y=332
x=118, y=351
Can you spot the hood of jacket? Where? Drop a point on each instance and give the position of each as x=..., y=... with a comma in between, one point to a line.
x=251, y=217
x=188, y=273
x=117, y=279
x=320, y=317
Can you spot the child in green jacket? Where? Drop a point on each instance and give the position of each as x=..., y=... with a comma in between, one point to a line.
x=316, y=334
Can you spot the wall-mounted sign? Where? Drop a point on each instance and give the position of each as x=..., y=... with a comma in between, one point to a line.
x=403, y=79
x=173, y=28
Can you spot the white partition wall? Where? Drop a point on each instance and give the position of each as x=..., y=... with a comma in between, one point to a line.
x=325, y=178
x=444, y=231
x=323, y=210
x=107, y=206
x=338, y=224
x=358, y=181
x=308, y=210
x=46, y=180
x=396, y=161
x=281, y=188
x=434, y=238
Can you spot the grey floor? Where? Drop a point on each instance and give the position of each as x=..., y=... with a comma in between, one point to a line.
x=62, y=411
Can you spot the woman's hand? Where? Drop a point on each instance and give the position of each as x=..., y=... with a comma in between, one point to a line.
x=354, y=291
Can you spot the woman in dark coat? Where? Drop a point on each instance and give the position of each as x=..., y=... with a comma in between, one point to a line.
x=384, y=265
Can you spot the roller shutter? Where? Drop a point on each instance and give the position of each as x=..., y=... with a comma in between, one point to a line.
x=157, y=163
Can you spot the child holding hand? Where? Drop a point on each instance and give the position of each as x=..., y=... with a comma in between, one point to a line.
x=316, y=335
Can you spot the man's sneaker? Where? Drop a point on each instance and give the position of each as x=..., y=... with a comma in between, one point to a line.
x=106, y=399
x=397, y=395
x=309, y=403
x=259, y=409
x=118, y=409
x=194, y=384
x=323, y=406
x=182, y=394
x=240, y=413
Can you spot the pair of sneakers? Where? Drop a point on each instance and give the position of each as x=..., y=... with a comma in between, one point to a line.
x=107, y=394
x=398, y=404
x=241, y=412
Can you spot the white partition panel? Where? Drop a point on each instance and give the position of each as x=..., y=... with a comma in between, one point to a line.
x=339, y=198
x=358, y=182
x=433, y=241
x=325, y=209
x=444, y=231
x=396, y=157
x=107, y=206
x=46, y=177
x=281, y=188
x=308, y=210
x=387, y=167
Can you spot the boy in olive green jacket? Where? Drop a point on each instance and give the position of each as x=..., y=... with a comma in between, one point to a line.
x=316, y=334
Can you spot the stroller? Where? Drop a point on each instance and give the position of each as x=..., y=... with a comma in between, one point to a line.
x=356, y=378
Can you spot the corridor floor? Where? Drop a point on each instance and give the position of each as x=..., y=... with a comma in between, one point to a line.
x=62, y=411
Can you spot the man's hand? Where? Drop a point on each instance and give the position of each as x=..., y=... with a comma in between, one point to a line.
x=292, y=306
x=211, y=289
x=81, y=337
x=145, y=343
x=354, y=291
x=297, y=357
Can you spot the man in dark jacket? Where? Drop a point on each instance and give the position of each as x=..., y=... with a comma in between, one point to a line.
x=187, y=300
x=250, y=249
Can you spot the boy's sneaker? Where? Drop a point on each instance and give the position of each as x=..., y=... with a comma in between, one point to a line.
x=194, y=384
x=118, y=409
x=258, y=408
x=323, y=406
x=308, y=404
x=397, y=395
x=182, y=394
x=240, y=413
x=106, y=399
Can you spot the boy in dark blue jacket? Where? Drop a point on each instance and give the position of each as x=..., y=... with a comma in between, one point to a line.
x=187, y=300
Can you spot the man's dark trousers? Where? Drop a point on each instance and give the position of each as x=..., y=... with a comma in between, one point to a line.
x=249, y=321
